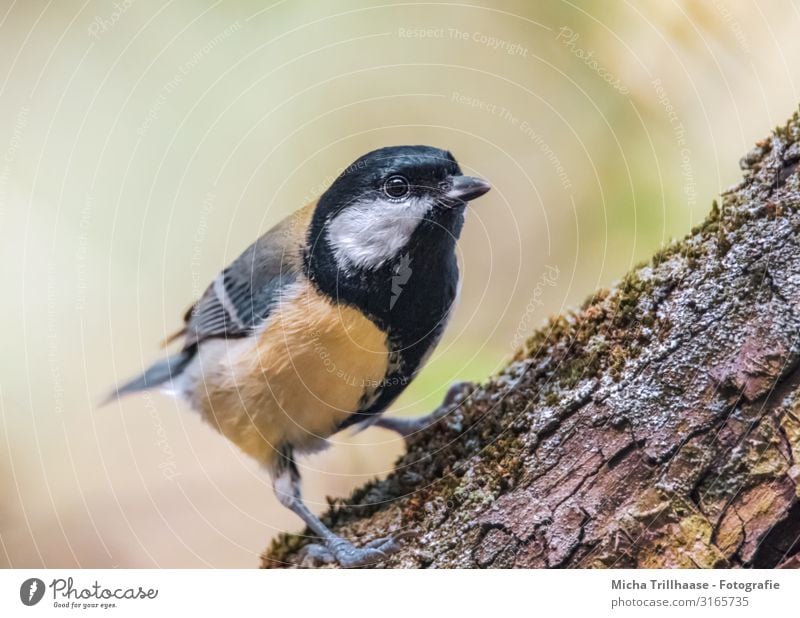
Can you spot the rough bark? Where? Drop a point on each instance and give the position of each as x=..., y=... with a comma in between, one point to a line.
x=657, y=426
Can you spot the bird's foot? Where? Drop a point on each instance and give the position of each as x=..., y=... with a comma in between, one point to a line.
x=349, y=556
x=406, y=427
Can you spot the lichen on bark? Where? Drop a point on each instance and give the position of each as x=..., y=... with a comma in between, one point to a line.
x=656, y=426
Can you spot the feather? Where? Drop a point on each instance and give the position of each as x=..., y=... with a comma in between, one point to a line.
x=158, y=373
x=242, y=296
x=238, y=300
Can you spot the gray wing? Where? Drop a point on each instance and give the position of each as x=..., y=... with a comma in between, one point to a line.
x=242, y=296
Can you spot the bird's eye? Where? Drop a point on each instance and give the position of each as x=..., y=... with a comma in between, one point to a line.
x=396, y=186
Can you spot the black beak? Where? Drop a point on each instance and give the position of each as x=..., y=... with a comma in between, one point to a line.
x=466, y=188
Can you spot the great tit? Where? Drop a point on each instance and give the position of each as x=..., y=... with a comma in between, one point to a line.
x=323, y=321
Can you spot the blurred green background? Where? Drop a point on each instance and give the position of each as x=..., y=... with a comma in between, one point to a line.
x=144, y=144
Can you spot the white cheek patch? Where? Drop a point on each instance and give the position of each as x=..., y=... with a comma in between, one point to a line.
x=367, y=235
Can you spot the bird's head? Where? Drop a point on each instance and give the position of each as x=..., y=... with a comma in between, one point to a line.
x=371, y=212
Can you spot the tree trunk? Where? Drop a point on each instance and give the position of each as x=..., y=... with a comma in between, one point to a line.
x=658, y=426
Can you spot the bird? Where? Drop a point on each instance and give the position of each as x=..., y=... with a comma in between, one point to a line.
x=324, y=320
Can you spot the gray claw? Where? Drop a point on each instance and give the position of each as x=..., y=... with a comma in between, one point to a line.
x=359, y=557
x=350, y=556
x=316, y=555
x=391, y=544
x=407, y=427
x=458, y=391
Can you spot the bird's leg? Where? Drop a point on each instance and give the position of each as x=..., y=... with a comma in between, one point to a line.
x=406, y=427
x=333, y=548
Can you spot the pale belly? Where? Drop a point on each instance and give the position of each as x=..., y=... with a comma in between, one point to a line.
x=311, y=367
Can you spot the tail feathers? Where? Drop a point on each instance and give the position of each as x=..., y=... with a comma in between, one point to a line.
x=173, y=337
x=158, y=373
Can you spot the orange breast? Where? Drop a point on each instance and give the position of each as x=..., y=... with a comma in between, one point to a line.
x=312, y=366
